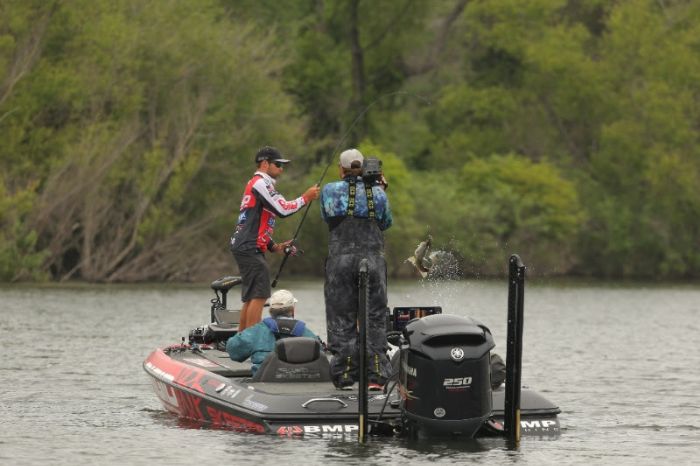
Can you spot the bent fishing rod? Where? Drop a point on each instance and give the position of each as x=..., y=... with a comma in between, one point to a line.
x=288, y=250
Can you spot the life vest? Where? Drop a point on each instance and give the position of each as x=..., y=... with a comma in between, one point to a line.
x=355, y=235
x=260, y=205
x=284, y=328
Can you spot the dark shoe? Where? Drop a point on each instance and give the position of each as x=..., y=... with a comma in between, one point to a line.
x=344, y=386
x=374, y=387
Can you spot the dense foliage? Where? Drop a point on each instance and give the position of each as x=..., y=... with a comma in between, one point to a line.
x=565, y=130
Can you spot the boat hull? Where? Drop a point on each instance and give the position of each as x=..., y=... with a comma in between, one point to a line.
x=204, y=386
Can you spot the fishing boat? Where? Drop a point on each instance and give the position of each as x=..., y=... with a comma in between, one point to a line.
x=443, y=384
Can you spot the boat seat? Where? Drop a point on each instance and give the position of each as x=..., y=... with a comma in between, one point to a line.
x=295, y=359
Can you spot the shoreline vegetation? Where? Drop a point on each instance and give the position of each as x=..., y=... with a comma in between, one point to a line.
x=565, y=131
x=568, y=282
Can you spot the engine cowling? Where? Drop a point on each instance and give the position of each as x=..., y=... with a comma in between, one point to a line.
x=445, y=374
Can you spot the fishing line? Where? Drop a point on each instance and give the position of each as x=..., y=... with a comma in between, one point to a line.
x=330, y=162
x=357, y=120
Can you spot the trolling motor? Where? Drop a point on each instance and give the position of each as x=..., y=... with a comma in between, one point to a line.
x=222, y=285
x=224, y=322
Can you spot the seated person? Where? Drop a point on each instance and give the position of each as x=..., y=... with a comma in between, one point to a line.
x=259, y=340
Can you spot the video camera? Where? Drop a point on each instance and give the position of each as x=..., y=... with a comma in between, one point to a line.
x=371, y=170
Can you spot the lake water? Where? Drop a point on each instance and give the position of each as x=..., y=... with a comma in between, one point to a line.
x=622, y=362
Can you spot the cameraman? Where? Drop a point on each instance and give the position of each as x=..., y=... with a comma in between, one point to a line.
x=357, y=212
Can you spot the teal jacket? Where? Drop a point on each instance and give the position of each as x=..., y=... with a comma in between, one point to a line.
x=256, y=343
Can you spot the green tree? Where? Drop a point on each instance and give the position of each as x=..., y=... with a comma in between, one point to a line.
x=134, y=121
x=644, y=219
x=494, y=206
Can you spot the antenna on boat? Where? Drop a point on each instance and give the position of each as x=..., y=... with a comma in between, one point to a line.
x=362, y=324
x=514, y=352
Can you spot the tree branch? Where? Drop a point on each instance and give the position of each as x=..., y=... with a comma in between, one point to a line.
x=26, y=55
x=438, y=46
x=390, y=25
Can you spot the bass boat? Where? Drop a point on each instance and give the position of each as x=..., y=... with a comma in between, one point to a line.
x=443, y=385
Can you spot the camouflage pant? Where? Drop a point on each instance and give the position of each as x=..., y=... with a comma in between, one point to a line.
x=341, y=293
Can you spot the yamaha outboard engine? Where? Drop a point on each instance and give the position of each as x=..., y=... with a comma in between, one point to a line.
x=445, y=375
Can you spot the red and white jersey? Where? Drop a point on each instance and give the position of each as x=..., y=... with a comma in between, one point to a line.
x=260, y=205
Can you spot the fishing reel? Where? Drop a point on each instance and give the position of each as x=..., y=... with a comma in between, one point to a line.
x=293, y=250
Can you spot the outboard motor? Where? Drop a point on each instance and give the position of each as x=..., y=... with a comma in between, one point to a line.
x=445, y=375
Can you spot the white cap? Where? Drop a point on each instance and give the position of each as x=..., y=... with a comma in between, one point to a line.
x=349, y=156
x=281, y=299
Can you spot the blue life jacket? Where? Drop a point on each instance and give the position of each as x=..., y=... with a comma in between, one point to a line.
x=283, y=328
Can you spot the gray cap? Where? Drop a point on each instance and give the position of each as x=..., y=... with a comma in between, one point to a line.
x=281, y=299
x=349, y=156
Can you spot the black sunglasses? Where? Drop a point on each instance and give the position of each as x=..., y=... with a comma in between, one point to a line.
x=278, y=164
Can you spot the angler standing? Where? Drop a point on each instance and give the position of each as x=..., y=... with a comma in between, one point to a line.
x=260, y=205
x=357, y=212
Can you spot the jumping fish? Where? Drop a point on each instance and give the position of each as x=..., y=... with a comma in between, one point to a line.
x=421, y=257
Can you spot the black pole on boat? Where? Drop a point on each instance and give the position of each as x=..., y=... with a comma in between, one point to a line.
x=514, y=352
x=362, y=327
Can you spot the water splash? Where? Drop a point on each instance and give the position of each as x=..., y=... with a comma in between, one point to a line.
x=442, y=280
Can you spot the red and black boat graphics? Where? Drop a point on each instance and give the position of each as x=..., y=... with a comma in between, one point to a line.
x=191, y=392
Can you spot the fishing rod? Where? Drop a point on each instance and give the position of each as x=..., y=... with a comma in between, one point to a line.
x=288, y=250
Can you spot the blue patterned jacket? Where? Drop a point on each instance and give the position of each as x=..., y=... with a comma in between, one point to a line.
x=334, y=202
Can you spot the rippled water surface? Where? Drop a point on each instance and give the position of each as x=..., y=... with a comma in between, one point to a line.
x=621, y=361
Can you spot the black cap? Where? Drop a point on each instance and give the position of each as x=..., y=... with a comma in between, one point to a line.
x=270, y=154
